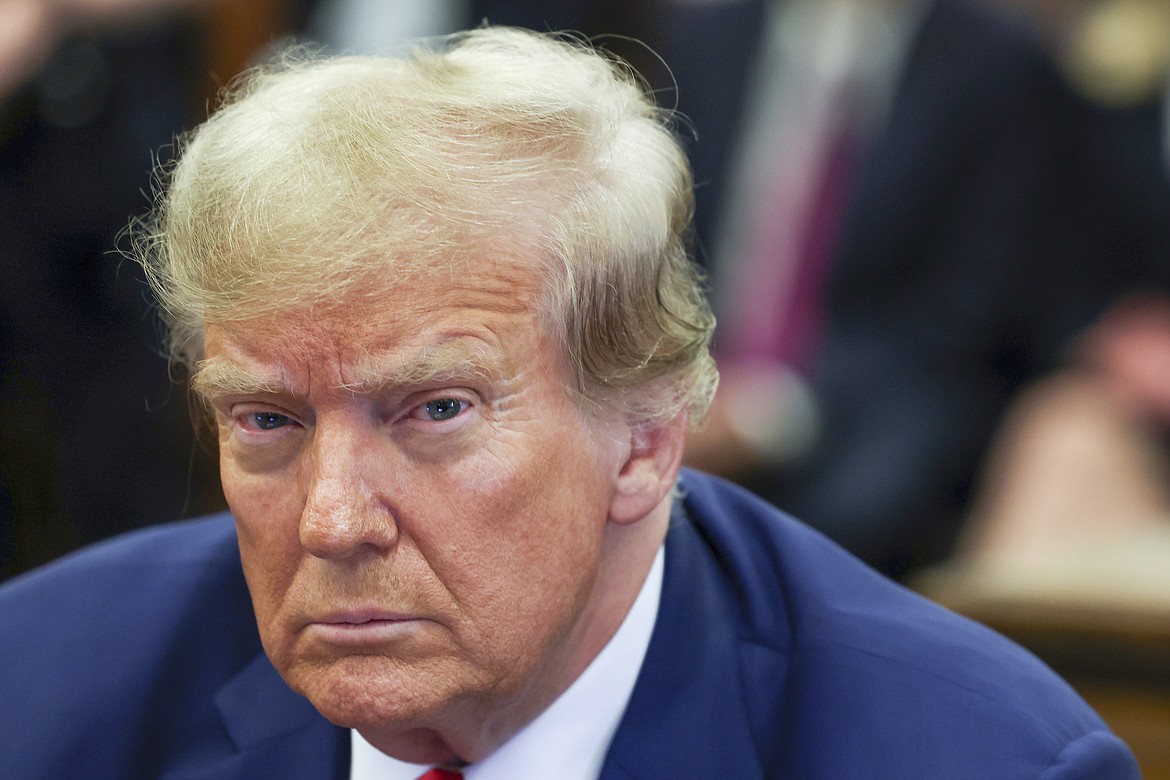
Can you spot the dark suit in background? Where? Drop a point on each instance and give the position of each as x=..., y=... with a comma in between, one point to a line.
x=983, y=236
x=94, y=438
x=775, y=655
x=994, y=214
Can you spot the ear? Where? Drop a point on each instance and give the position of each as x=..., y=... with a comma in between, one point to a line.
x=650, y=469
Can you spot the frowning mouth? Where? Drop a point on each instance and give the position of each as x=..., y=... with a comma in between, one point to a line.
x=360, y=616
x=364, y=626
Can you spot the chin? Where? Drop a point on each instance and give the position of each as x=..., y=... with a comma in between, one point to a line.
x=369, y=693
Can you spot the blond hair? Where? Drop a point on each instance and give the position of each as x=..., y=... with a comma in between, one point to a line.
x=327, y=177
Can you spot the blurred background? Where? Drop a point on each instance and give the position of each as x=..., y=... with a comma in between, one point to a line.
x=938, y=241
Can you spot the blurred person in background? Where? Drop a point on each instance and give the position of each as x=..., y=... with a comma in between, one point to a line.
x=93, y=440
x=1076, y=491
x=924, y=217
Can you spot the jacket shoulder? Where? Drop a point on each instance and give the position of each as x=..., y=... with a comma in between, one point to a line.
x=873, y=669
x=113, y=654
x=147, y=575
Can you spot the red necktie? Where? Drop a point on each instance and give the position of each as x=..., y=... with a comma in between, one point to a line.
x=442, y=774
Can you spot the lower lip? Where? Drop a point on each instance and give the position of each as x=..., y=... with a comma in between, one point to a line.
x=365, y=632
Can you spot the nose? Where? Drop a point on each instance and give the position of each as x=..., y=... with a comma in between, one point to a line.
x=344, y=513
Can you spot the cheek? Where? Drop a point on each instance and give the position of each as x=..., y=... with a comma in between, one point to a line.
x=262, y=504
x=525, y=535
x=267, y=515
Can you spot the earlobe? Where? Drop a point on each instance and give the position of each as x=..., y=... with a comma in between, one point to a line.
x=650, y=469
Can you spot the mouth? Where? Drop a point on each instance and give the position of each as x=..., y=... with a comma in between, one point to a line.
x=359, y=617
x=364, y=626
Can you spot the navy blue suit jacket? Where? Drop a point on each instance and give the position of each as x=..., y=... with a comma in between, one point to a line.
x=775, y=655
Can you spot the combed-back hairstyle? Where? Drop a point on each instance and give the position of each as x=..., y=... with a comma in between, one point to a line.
x=328, y=177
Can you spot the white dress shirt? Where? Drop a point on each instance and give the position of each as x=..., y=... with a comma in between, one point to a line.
x=568, y=740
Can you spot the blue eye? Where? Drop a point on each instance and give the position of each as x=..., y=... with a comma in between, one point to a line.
x=268, y=421
x=443, y=408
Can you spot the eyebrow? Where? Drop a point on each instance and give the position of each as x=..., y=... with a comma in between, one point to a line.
x=218, y=376
x=450, y=360
x=453, y=359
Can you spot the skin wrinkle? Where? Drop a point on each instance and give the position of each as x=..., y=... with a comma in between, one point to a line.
x=456, y=358
x=449, y=362
x=216, y=377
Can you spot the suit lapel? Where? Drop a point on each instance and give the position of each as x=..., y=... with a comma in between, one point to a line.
x=276, y=733
x=689, y=716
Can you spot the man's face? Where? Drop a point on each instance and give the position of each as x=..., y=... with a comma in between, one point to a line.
x=421, y=506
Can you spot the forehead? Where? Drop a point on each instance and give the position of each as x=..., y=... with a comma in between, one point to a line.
x=425, y=318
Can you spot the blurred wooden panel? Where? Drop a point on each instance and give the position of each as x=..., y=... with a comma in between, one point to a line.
x=1140, y=714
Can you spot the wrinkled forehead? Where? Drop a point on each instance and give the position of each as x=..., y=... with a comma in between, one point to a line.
x=431, y=312
x=298, y=288
x=243, y=361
